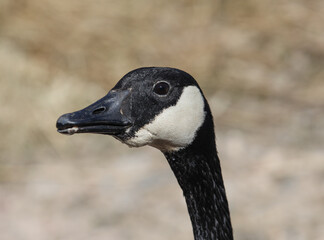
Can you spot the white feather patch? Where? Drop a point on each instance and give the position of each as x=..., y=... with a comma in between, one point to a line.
x=175, y=127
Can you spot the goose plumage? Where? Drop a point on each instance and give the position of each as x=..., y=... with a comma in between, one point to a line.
x=165, y=108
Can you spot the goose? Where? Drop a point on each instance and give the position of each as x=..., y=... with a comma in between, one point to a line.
x=165, y=108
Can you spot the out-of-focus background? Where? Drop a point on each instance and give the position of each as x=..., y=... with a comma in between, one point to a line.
x=261, y=66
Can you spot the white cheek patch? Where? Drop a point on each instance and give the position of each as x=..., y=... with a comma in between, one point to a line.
x=175, y=127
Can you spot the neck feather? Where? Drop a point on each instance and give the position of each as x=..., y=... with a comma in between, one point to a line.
x=197, y=169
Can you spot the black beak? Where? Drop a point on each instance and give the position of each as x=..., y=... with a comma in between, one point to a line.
x=105, y=116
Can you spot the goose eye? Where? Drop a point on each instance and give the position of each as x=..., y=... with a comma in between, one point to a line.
x=161, y=88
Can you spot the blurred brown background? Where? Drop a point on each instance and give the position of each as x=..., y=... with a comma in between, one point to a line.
x=260, y=63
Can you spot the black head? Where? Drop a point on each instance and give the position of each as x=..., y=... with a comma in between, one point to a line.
x=161, y=107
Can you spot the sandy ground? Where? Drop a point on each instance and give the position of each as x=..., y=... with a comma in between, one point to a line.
x=261, y=67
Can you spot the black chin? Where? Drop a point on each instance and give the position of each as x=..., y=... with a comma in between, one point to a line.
x=99, y=129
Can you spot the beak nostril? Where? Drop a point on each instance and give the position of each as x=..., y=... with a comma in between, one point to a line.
x=99, y=110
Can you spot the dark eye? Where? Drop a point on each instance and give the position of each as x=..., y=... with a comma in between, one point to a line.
x=161, y=88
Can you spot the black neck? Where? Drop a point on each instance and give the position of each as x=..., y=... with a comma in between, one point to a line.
x=197, y=169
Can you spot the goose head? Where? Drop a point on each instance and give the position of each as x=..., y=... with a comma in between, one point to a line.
x=166, y=109
x=160, y=107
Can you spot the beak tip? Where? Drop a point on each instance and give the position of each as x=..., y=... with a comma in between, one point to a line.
x=62, y=122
